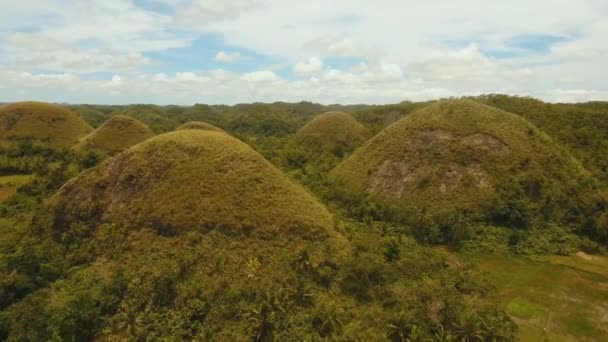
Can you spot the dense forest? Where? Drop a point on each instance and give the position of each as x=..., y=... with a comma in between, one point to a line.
x=295, y=221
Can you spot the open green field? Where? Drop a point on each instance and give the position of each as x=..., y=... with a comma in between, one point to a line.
x=553, y=298
x=10, y=184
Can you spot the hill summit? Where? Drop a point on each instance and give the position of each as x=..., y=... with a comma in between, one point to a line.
x=199, y=125
x=456, y=153
x=194, y=179
x=54, y=125
x=332, y=130
x=115, y=135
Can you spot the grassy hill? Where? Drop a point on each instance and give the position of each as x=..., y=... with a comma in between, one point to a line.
x=581, y=127
x=461, y=154
x=50, y=124
x=331, y=131
x=154, y=116
x=90, y=115
x=194, y=179
x=115, y=135
x=199, y=125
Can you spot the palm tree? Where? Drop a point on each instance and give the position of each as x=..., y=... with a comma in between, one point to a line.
x=328, y=320
x=442, y=335
x=467, y=328
x=301, y=294
x=400, y=329
x=129, y=322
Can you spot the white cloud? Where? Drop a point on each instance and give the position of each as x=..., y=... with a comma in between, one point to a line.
x=264, y=76
x=200, y=13
x=402, y=49
x=313, y=66
x=227, y=57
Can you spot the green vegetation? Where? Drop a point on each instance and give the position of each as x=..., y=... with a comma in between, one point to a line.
x=115, y=135
x=10, y=184
x=197, y=235
x=521, y=308
x=92, y=116
x=199, y=125
x=52, y=125
x=556, y=298
x=154, y=116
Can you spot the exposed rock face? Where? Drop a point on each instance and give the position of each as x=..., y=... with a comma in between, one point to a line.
x=453, y=153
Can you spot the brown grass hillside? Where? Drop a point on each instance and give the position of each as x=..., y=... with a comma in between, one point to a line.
x=115, y=135
x=199, y=125
x=455, y=153
x=42, y=122
x=194, y=179
x=332, y=129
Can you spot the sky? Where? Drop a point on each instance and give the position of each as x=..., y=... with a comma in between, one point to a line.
x=341, y=51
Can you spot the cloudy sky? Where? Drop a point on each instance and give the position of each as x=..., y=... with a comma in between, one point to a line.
x=340, y=51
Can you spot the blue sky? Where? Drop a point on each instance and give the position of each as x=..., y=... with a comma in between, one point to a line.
x=356, y=51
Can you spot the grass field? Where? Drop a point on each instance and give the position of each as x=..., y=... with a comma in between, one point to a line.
x=10, y=184
x=553, y=298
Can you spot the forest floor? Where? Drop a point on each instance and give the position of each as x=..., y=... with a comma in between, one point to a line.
x=553, y=298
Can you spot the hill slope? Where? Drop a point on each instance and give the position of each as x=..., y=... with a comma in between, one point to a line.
x=117, y=134
x=582, y=127
x=51, y=124
x=154, y=116
x=199, y=125
x=457, y=153
x=332, y=130
x=194, y=179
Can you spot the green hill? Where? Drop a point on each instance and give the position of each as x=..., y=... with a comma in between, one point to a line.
x=463, y=154
x=194, y=179
x=47, y=123
x=115, y=135
x=331, y=131
x=90, y=115
x=154, y=116
x=199, y=125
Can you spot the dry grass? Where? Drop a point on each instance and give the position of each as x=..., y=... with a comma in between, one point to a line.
x=331, y=129
x=195, y=180
x=115, y=135
x=51, y=124
x=454, y=153
x=199, y=125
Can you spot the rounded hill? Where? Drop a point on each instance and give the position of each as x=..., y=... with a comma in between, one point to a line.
x=115, y=135
x=199, y=125
x=194, y=180
x=51, y=124
x=332, y=130
x=154, y=116
x=457, y=153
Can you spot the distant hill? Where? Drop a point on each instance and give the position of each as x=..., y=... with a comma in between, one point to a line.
x=92, y=116
x=154, y=116
x=50, y=124
x=199, y=125
x=458, y=154
x=115, y=135
x=332, y=131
